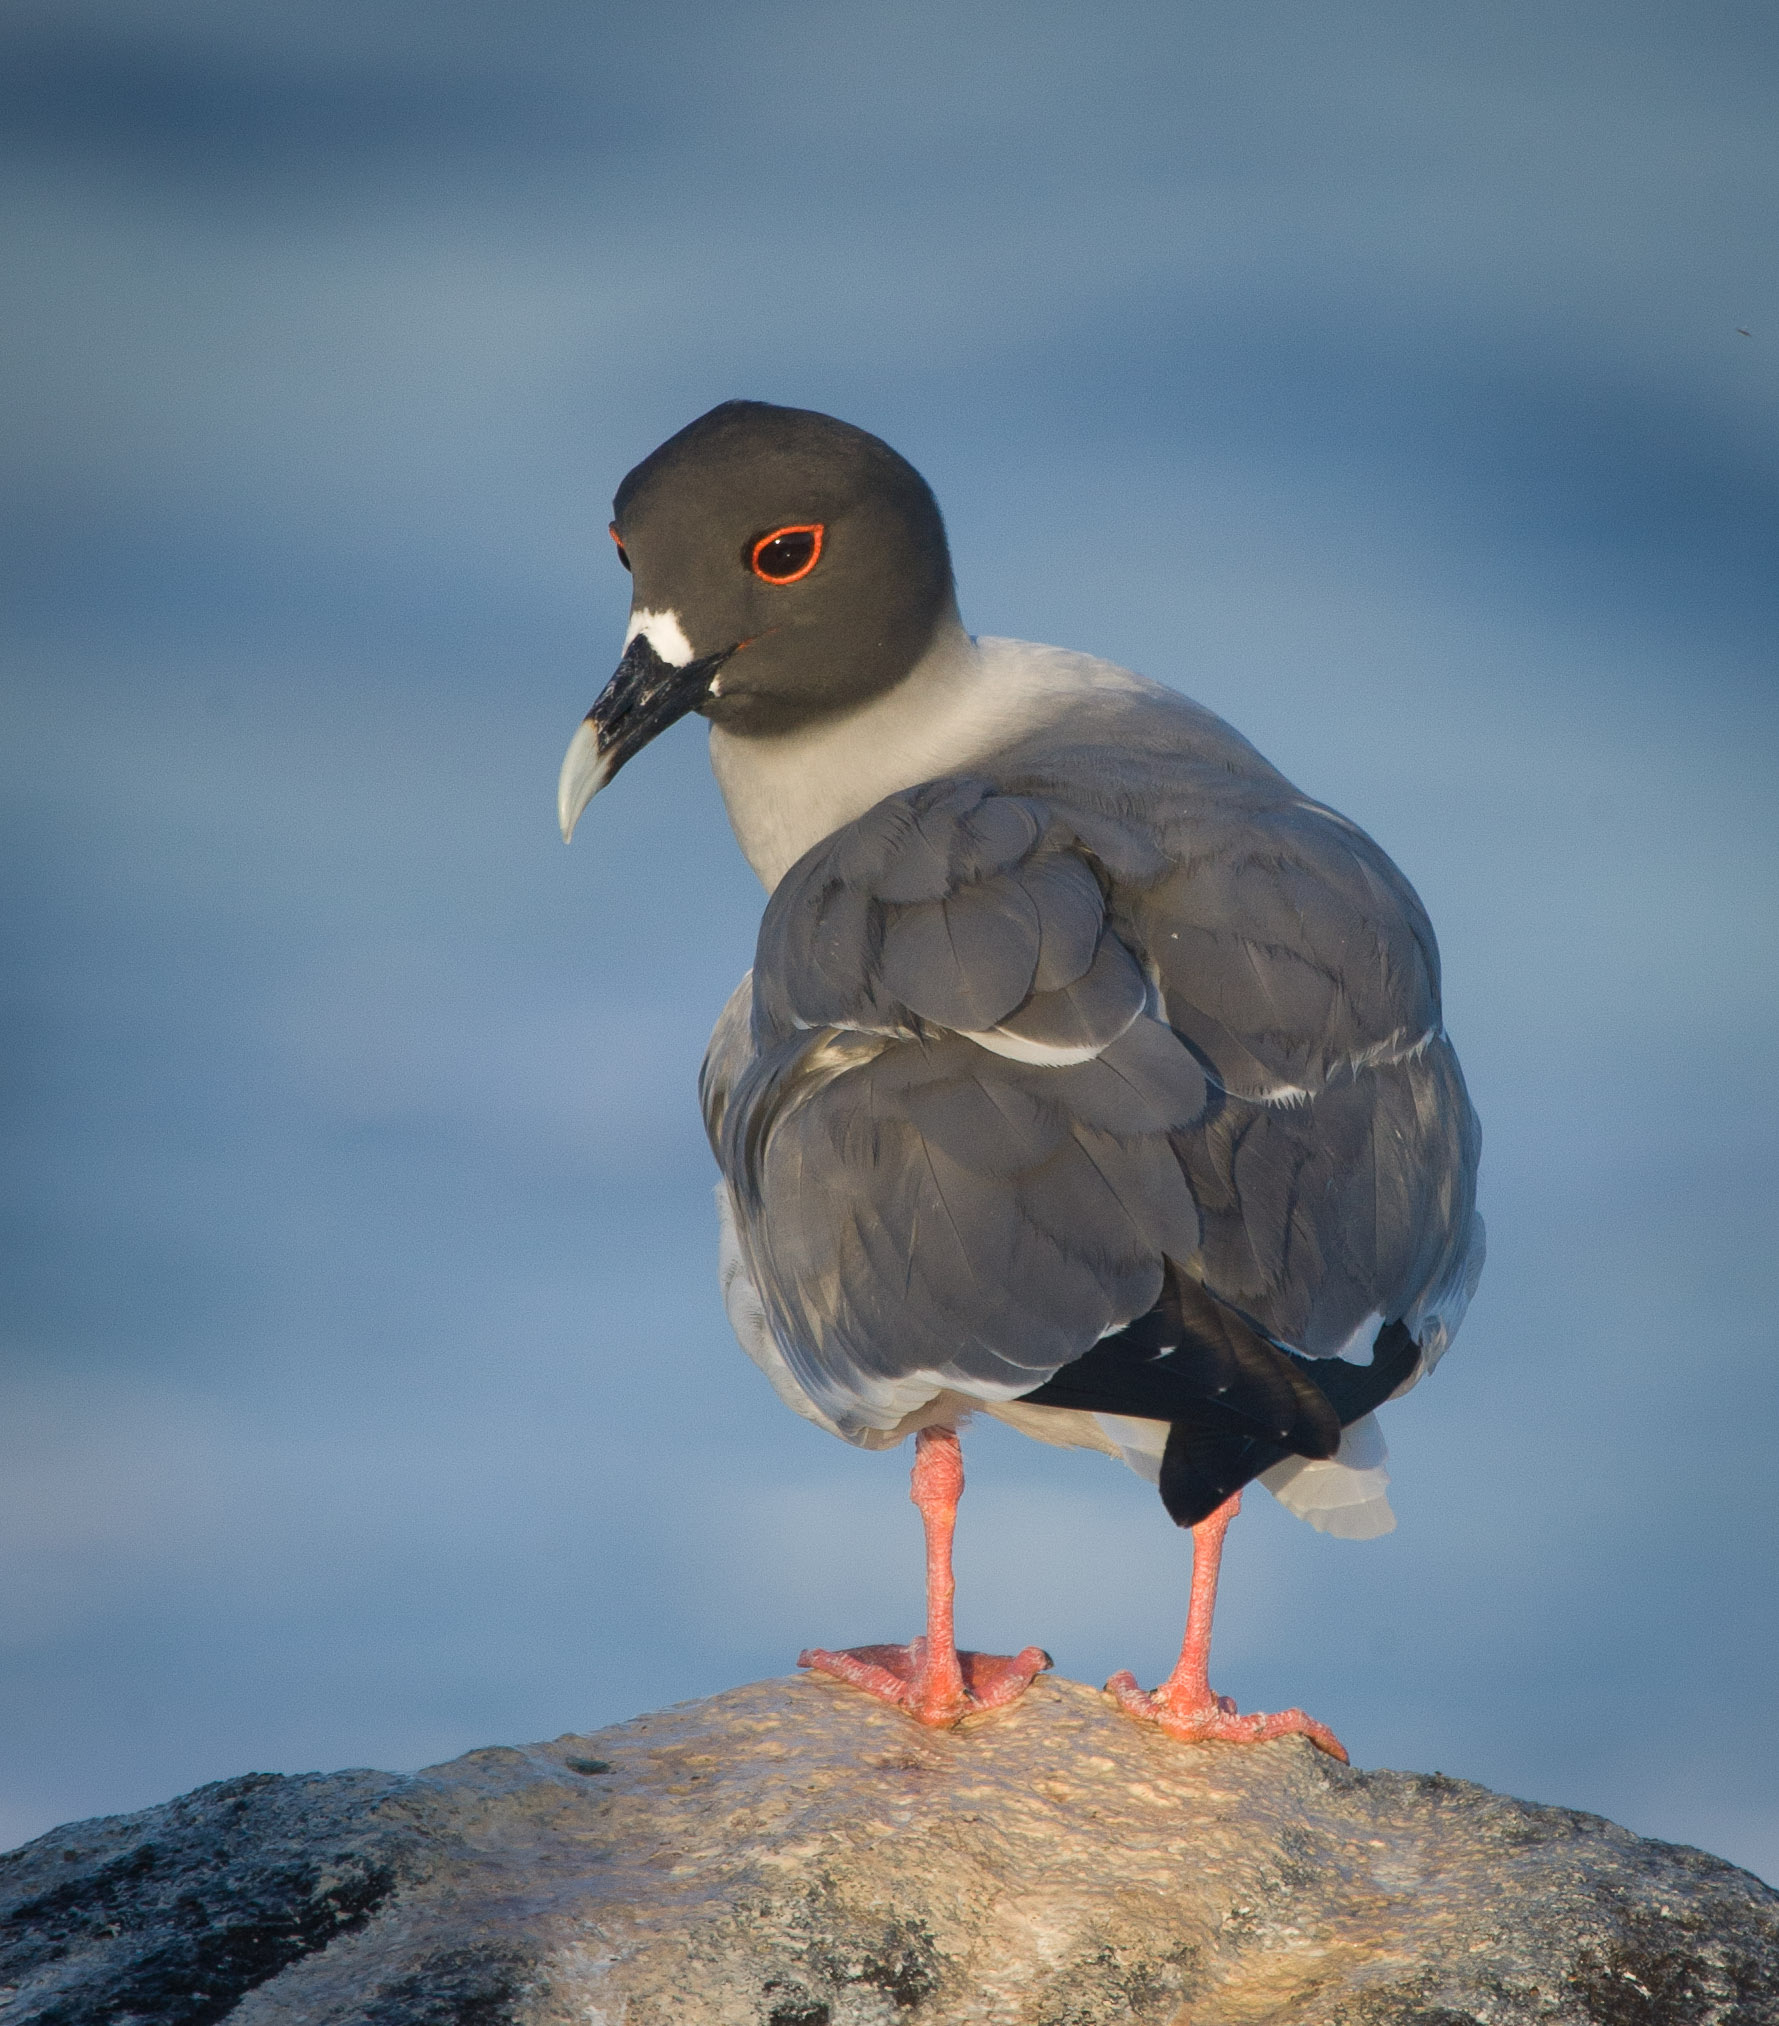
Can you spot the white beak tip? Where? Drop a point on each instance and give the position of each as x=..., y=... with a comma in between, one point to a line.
x=584, y=772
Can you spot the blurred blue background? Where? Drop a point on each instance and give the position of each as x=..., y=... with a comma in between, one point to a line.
x=1398, y=380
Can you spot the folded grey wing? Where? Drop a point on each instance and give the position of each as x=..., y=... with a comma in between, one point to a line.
x=1336, y=1174
x=1351, y=1206
x=949, y=1135
x=964, y=1122
x=1335, y=1169
x=1290, y=948
x=947, y=909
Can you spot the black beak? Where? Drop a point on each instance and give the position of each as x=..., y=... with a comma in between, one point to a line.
x=642, y=699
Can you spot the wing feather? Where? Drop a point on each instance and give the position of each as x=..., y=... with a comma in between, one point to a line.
x=1021, y=1052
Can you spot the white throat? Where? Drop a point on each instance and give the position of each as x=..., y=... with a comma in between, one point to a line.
x=963, y=700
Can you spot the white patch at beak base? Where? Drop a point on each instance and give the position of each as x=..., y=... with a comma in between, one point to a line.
x=664, y=634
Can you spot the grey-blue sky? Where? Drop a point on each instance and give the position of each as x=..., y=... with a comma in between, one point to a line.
x=1373, y=373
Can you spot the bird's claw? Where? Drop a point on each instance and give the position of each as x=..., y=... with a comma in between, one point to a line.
x=937, y=1695
x=1215, y=1720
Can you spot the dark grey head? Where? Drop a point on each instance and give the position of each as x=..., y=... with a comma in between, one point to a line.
x=786, y=566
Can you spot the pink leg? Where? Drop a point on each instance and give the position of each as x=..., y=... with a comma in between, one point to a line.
x=1184, y=1705
x=930, y=1678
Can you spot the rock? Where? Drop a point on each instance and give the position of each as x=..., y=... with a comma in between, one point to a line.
x=791, y=1854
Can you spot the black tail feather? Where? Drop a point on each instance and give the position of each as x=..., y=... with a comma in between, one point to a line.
x=1353, y=1390
x=1235, y=1403
x=1202, y=1466
x=1192, y=1356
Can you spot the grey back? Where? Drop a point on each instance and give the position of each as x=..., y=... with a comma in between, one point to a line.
x=1234, y=996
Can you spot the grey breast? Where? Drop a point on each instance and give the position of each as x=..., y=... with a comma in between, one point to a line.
x=1207, y=1031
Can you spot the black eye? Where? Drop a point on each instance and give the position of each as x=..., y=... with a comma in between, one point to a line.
x=623, y=553
x=786, y=554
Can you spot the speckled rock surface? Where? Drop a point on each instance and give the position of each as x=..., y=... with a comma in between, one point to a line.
x=790, y=1854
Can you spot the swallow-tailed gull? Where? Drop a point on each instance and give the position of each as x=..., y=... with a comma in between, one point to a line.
x=1088, y=1074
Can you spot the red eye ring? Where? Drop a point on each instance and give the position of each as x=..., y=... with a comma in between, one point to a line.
x=760, y=564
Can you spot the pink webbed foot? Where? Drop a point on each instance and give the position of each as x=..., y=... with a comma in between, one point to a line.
x=1215, y=1720
x=930, y=1678
x=936, y=1695
x=1185, y=1706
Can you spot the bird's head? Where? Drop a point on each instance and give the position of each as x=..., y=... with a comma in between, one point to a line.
x=785, y=567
